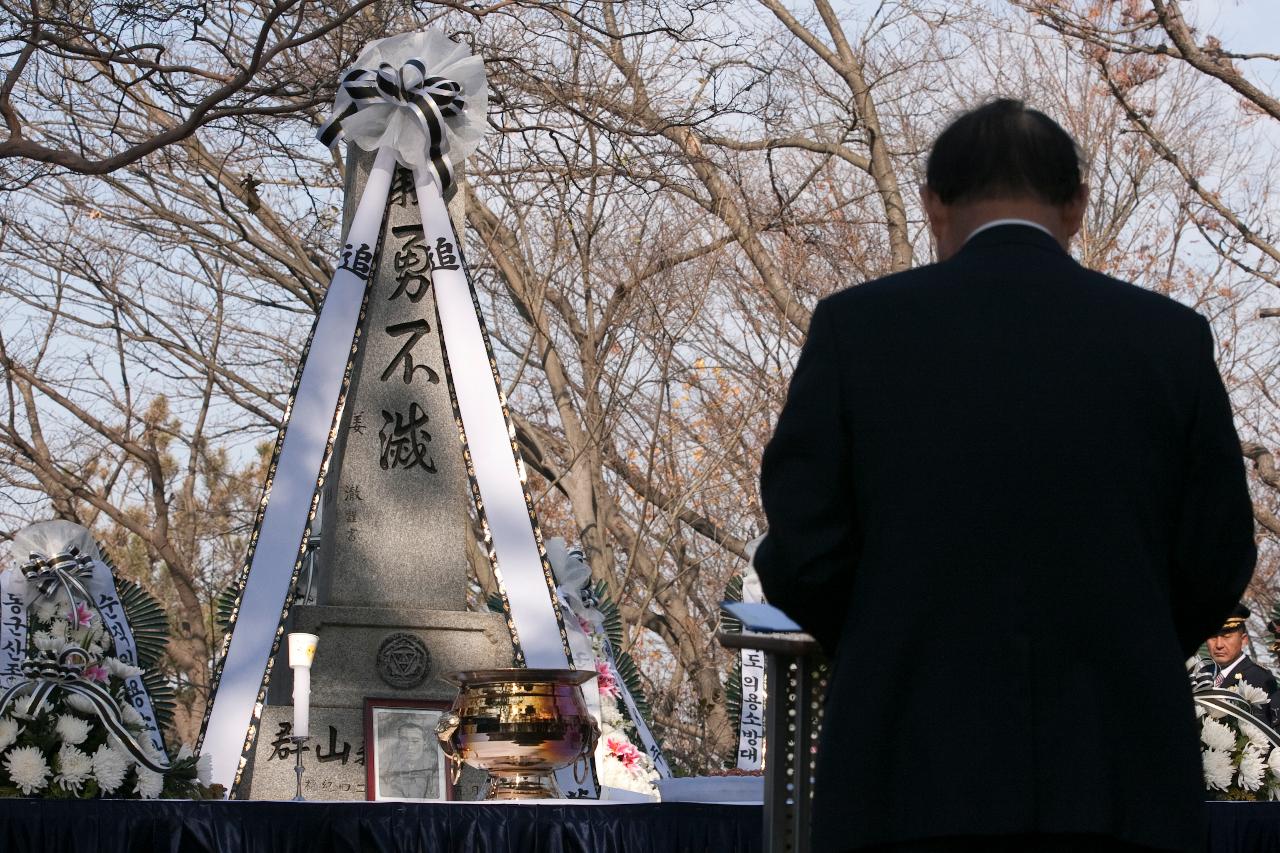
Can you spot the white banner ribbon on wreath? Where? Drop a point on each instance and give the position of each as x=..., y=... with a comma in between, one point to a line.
x=418, y=98
x=59, y=562
x=751, y=712
x=573, y=582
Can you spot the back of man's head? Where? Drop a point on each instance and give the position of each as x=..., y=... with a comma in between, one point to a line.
x=1004, y=150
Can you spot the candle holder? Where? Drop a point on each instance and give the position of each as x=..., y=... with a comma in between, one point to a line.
x=298, y=744
x=302, y=650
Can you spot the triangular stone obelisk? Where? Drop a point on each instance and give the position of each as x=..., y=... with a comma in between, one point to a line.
x=388, y=599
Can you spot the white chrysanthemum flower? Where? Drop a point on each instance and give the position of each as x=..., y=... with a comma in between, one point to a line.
x=9, y=731
x=204, y=768
x=76, y=702
x=1252, y=769
x=1249, y=693
x=1217, y=736
x=610, y=716
x=59, y=630
x=150, y=783
x=74, y=767
x=46, y=642
x=109, y=767
x=131, y=717
x=1218, y=771
x=1256, y=738
x=46, y=609
x=120, y=669
x=27, y=769
x=72, y=730
x=1273, y=761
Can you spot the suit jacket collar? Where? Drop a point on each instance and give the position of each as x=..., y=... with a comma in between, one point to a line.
x=1012, y=234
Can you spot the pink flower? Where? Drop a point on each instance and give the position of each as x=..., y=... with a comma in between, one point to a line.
x=605, y=680
x=624, y=751
x=81, y=616
x=97, y=672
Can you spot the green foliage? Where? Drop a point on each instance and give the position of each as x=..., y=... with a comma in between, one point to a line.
x=148, y=620
x=612, y=616
x=223, y=606
x=732, y=592
x=622, y=661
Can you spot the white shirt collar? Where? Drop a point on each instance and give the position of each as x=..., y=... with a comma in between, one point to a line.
x=998, y=222
x=1226, y=671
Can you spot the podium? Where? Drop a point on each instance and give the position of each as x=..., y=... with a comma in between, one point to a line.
x=795, y=686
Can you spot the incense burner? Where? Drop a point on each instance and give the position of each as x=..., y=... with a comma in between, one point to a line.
x=521, y=725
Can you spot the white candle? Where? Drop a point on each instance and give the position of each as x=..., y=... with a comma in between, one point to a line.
x=301, y=701
x=302, y=651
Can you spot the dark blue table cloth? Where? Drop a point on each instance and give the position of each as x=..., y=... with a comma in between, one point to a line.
x=127, y=826
x=121, y=826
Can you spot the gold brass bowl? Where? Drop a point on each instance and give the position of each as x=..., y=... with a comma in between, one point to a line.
x=521, y=725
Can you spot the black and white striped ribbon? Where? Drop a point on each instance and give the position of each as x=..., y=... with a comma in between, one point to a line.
x=46, y=675
x=69, y=571
x=1234, y=705
x=81, y=579
x=430, y=100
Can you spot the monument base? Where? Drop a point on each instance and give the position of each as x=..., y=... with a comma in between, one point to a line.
x=367, y=653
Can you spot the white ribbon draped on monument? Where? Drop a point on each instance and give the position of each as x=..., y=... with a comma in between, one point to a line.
x=499, y=473
x=421, y=99
x=288, y=501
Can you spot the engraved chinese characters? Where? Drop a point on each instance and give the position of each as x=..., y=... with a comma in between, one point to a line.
x=405, y=444
x=404, y=439
x=400, y=411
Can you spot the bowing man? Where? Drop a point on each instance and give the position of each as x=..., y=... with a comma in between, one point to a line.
x=982, y=466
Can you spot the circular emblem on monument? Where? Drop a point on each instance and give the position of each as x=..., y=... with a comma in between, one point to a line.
x=403, y=660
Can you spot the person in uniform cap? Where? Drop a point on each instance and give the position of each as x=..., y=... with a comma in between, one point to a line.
x=1231, y=666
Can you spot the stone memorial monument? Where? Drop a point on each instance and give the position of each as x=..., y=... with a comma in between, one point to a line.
x=400, y=355
x=390, y=588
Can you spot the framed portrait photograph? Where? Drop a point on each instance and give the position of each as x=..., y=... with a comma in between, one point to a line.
x=403, y=759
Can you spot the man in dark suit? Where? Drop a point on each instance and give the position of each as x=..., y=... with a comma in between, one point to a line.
x=1024, y=456
x=1230, y=666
